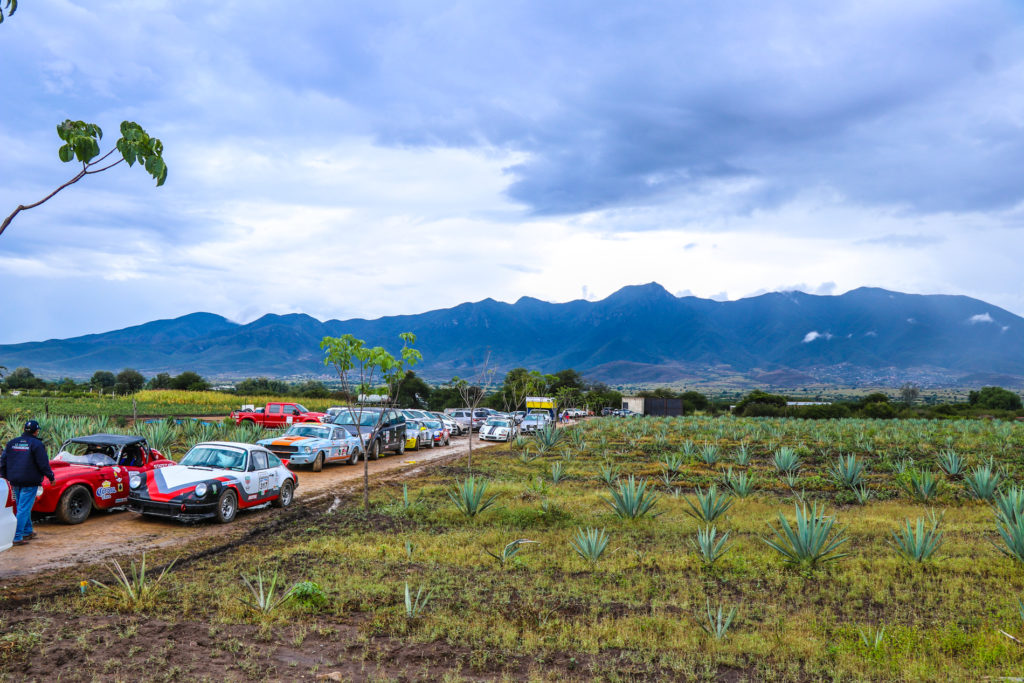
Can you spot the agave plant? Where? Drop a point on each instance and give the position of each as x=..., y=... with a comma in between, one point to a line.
x=469, y=496
x=509, y=550
x=526, y=455
x=742, y=455
x=923, y=485
x=848, y=471
x=983, y=482
x=717, y=625
x=1012, y=534
x=710, y=505
x=609, y=473
x=414, y=606
x=672, y=462
x=951, y=463
x=632, y=500
x=688, y=449
x=709, y=453
x=547, y=438
x=786, y=460
x=590, y=544
x=577, y=440
x=742, y=484
x=709, y=545
x=808, y=544
x=1009, y=505
x=917, y=543
x=902, y=465
x=264, y=600
x=557, y=472
x=861, y=494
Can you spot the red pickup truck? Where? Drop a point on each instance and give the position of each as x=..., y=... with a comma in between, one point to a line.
x=275, y=415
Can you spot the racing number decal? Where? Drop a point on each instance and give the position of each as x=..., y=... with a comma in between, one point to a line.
x=264, y=483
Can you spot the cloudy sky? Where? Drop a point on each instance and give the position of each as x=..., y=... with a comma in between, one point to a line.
x=359, y=159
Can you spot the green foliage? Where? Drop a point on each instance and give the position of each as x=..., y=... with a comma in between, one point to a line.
x=310, y=595
x=133, y=589
x=872, y=638
x=632, y=500
x=12, y=7
x=263, y=595
x=1009, y=505
x=414, y=607
x=917, y=543
x=671, y=462
x=547, y=438
x=995, y=398
x=742, y=455
x=710, y=454
x=135, y=144
x=590, y=544
x=922, y=485
x=808, y=544
x=557, y=472
x=786, y=460
x=1012, y=533
x=709, y=545
x=609, y=473
x=848, y=471
x=742, y=483
x=710, y=505
x=951, y=463
x=509, y=551
x=469, y=496
x=716, y=624
x=983, y=482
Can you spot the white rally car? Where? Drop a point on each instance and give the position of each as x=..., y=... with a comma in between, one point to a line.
x=214, y=479
x=8, y=521
x=498, y=429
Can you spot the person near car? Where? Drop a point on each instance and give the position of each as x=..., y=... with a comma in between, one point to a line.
x=24, y=463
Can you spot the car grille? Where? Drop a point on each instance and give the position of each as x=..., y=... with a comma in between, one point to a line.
x=279, y=450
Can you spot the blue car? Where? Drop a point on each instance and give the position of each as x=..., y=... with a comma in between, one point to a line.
x=312, y=443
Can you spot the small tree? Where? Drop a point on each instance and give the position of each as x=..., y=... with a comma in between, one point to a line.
x=82, y=142
x=102, y=380
x=359, y=368
x=472, y=392
x=130, y=381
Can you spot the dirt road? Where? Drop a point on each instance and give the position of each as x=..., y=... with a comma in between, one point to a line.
x=107, y=534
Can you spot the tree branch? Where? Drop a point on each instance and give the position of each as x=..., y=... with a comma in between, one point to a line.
x=23, y=207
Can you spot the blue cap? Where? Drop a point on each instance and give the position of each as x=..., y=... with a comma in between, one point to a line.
x=32, y=426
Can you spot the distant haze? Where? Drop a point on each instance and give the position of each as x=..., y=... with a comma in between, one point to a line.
x=639, y=335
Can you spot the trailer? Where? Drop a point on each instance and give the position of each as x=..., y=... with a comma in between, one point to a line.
x=542, y=403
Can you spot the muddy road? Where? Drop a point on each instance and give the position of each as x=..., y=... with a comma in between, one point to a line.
x=118, y=533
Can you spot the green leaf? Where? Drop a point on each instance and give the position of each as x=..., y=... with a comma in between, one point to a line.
x=65, y=153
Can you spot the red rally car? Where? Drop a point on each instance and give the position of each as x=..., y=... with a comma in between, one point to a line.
x=92, y=472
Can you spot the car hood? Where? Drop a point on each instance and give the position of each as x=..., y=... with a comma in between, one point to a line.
x=292, y=440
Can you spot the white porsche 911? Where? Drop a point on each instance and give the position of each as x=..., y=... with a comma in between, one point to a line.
x=214, y=480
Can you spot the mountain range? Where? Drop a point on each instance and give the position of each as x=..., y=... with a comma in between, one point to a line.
x=641, y=334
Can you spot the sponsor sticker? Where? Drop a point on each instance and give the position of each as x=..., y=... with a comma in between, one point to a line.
x=105, y=492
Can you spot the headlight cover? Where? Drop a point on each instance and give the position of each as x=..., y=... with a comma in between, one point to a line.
x=135, y=481
x=200, y=489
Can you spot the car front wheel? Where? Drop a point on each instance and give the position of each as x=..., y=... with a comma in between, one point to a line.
x=227, y=506
x=354, y=458
x=374, y=451
x=401, y=446
x=318, y=464
x=75, y=505
x=284, y=498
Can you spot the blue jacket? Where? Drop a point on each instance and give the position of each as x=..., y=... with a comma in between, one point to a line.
x=24, y=462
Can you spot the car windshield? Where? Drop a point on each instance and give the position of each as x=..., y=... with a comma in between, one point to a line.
x=221, y=457
x=352, y=417
x=301, y=408
x=433, y=424
x=497, y=422
x=315, y=431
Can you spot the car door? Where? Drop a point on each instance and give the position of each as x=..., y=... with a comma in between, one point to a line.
x=265, y=479
x=274, y=417
x=338, y=436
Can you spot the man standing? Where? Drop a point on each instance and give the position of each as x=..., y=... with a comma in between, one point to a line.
x=24, y=463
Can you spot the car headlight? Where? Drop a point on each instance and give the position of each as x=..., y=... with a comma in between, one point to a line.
x=307, y=449
x=200, y=490
x=135, y=481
